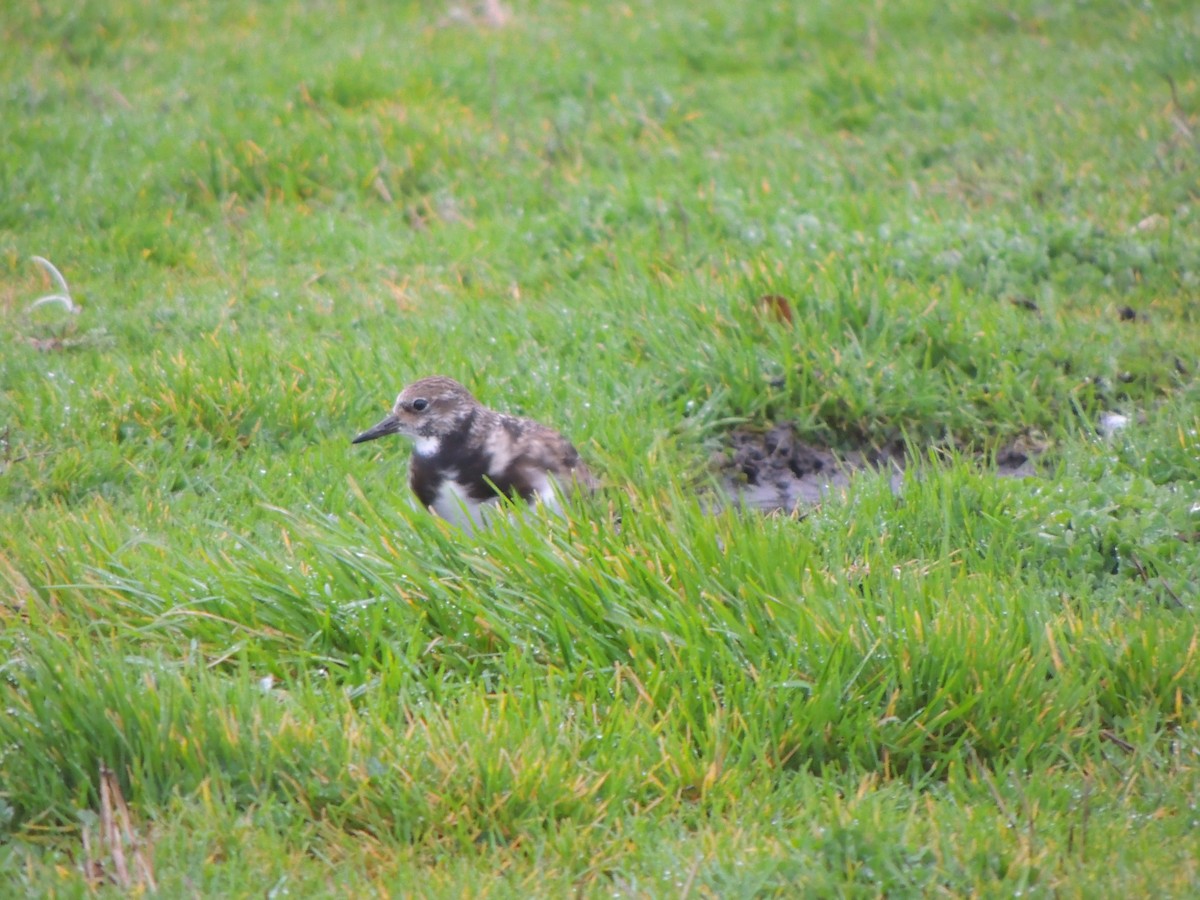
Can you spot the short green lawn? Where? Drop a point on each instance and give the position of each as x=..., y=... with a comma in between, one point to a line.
x=236, y=659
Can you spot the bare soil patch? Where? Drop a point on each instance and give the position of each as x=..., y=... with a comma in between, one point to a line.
x=774, y=470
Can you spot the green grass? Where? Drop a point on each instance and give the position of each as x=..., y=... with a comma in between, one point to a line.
x=984, y=220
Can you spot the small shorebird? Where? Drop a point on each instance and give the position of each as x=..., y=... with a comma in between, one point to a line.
x=466, y=455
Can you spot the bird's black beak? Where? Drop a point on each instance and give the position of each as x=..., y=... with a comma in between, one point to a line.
x=389, y=425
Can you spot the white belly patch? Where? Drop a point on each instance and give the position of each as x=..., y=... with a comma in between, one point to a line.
x=455, y=506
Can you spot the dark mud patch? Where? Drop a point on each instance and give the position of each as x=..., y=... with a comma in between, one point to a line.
x=775, y=470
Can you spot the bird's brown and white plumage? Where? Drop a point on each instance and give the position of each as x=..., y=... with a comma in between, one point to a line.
x=466, y=455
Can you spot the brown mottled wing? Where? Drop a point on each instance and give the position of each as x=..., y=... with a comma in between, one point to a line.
x=543, y=449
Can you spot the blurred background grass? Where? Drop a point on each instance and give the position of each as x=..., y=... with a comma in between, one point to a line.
x=274, y=215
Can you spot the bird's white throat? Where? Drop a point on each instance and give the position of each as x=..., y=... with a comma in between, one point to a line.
x=427, y=446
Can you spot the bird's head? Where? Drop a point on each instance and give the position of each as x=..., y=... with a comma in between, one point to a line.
x=425, y=410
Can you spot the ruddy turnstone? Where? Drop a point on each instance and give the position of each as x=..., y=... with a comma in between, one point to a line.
x=466, y=456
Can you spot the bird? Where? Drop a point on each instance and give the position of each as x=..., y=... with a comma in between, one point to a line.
x=466, y=457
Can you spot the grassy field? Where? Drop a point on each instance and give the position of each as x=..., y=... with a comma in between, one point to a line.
x=236, y=660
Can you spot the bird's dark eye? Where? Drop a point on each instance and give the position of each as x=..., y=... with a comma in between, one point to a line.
x=420, y=404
